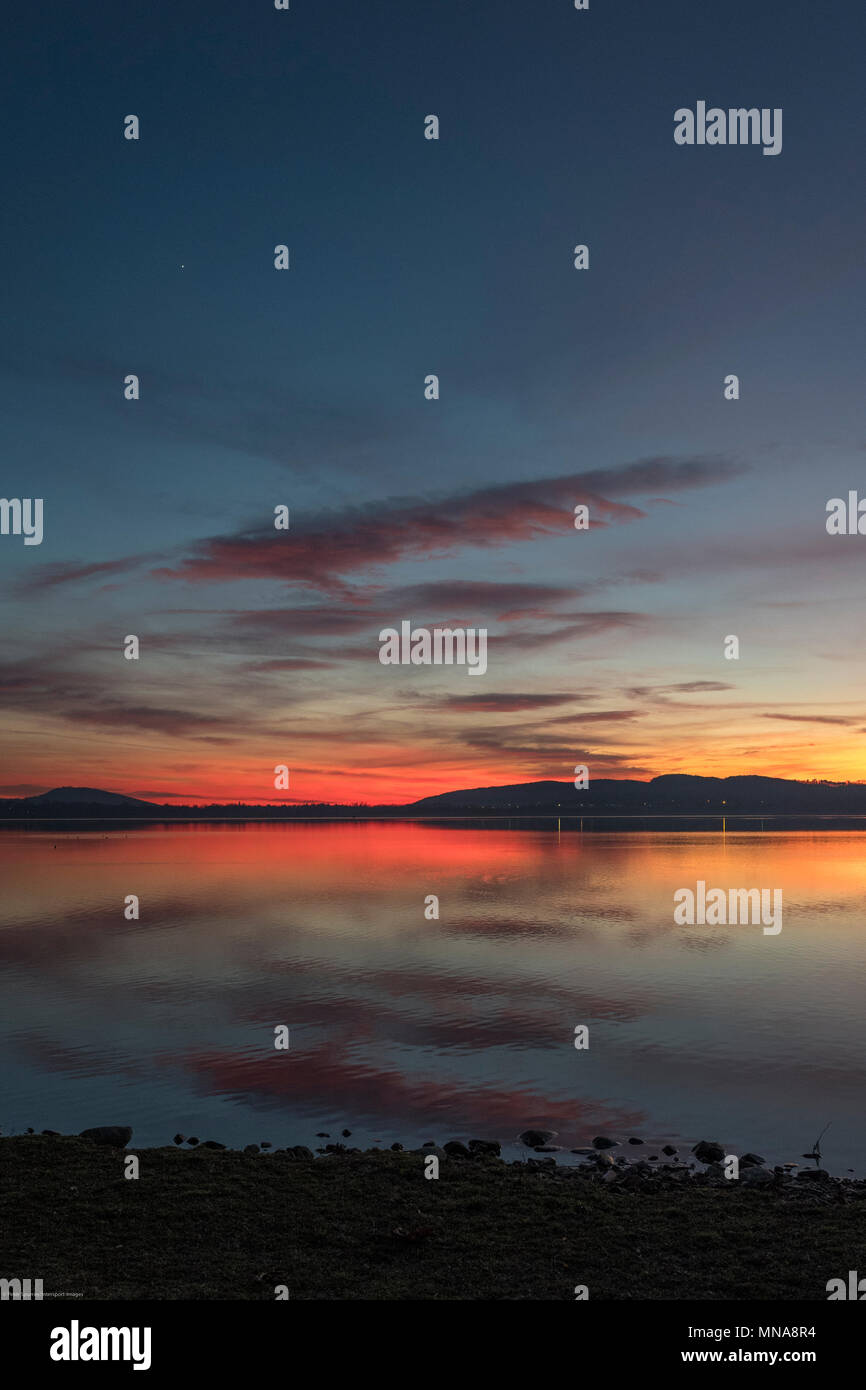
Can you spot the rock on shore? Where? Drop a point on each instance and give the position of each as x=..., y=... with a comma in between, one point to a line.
x=113, y=1136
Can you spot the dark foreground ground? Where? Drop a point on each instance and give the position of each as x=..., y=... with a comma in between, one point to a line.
x=205, y=1224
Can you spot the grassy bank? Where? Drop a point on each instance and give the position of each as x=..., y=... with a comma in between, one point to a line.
x=202, y=1224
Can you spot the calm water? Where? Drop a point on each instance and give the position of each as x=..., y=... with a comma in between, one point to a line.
x=408, y=1029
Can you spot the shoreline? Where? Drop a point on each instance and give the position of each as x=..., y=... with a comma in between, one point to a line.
x=718, y=822
x=604, y=1157
x=219, y=1223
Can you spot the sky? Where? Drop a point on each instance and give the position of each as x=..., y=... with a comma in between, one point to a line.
x=304, y=388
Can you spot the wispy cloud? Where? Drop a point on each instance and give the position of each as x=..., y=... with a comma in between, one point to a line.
x=320, y=551
x=815, y=718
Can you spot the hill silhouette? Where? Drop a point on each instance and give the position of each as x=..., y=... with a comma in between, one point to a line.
x=81, y=796
x=674, y=794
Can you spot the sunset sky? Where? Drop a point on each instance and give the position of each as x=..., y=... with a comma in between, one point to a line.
x=306, y=388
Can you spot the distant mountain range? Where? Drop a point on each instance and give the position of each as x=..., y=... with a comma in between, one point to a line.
x=671, y=795
x=79, y=796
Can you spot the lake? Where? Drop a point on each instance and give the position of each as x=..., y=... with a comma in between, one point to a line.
x=405, y=1028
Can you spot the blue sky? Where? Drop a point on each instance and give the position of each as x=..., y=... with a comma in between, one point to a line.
x=305, y=387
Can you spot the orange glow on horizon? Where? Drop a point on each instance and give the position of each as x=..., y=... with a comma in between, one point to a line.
x=427, y=763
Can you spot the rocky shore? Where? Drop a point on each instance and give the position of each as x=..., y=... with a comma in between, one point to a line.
x=201, y=1221
x=705, y=1164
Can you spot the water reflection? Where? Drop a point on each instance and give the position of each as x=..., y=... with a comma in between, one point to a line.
x=412, y=1029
